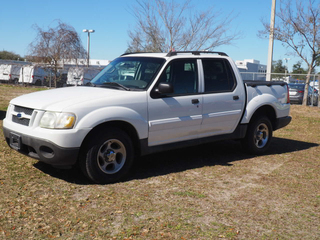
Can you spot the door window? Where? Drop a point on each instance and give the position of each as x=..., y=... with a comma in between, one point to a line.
x=218, y=75
x=182, y=74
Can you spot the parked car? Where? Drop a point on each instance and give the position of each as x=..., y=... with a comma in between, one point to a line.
x=145, y=103
x=314, y=96
x=296, y=92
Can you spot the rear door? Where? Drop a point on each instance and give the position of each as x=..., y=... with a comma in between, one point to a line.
x=178, y=115
x=223, y=98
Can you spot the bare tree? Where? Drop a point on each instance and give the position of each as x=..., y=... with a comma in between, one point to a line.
x=167, y=25
x=298, y=28
x=57, y=44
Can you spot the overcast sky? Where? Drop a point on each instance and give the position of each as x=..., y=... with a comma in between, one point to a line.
x=111, y=20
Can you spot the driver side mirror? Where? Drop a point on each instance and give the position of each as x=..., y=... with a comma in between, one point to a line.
x=163, y=89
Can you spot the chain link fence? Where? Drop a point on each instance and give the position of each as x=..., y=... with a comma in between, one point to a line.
x=313, y=94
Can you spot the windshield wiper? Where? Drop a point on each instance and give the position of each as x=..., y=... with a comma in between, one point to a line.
x=118, y=85
x=90, y=84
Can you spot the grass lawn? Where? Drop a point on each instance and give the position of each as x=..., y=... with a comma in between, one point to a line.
x=212, y=191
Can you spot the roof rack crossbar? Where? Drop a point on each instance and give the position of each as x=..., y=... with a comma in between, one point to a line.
x=170, y=54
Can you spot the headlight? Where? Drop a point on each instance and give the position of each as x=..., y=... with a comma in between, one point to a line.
x=56, y=120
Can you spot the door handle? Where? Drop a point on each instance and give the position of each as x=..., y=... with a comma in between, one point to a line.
x=235, y=97
x=195, y=101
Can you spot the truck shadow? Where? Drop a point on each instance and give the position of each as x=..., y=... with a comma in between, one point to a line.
x=222, y=153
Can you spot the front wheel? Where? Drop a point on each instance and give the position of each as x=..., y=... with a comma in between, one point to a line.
x=258, y=137
x=107, y=156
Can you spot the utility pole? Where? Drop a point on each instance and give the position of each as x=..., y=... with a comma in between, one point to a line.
x=88, y=47
x=271, y=38
x=287, y=66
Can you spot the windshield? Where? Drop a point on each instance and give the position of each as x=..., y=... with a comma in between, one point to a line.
x=129, y=73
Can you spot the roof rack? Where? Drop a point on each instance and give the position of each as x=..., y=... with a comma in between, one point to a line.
x=128, y=53
x=170, y=54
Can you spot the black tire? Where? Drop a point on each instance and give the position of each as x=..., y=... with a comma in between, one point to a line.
x=107, y=156
x=258, y=137
x=38, y=83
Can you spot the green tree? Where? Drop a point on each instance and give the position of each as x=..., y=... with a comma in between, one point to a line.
x=5, y=55
x=298, y=69
x=278, y=67
x=318, y=60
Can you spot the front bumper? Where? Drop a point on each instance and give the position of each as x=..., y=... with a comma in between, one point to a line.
x=43, y=150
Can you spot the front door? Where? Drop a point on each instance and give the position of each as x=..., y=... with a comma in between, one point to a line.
x=178, y=115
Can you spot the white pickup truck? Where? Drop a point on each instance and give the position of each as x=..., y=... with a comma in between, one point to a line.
x=143, y=103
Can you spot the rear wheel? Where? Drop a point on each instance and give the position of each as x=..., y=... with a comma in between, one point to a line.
x=107, y=156
x=258, y=137
x=38, y=83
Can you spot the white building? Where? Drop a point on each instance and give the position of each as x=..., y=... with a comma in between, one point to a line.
x=251, y=69
x=83, y=62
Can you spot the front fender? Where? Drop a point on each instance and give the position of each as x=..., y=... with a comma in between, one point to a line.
x=103, y=115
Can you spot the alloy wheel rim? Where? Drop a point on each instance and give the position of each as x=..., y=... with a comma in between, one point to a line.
x=111, y=156
x=261, y=135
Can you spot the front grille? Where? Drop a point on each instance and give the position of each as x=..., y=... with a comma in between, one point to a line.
x=22, y=115
x=27, y=111
x=22, y=121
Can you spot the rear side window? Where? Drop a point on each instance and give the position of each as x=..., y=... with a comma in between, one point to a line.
x=218, y=75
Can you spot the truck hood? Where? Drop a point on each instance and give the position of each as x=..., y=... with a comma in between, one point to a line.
x=61, y=98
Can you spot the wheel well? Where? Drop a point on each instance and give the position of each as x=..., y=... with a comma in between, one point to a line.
x=124, y=126
x=267, y=111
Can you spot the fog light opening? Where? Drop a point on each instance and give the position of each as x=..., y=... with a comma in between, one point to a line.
x=31, y=149
x=46, y=151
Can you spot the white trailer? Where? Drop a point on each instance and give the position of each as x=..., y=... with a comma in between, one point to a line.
x=32, y=75
x=10, y=72
x=81, y=75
